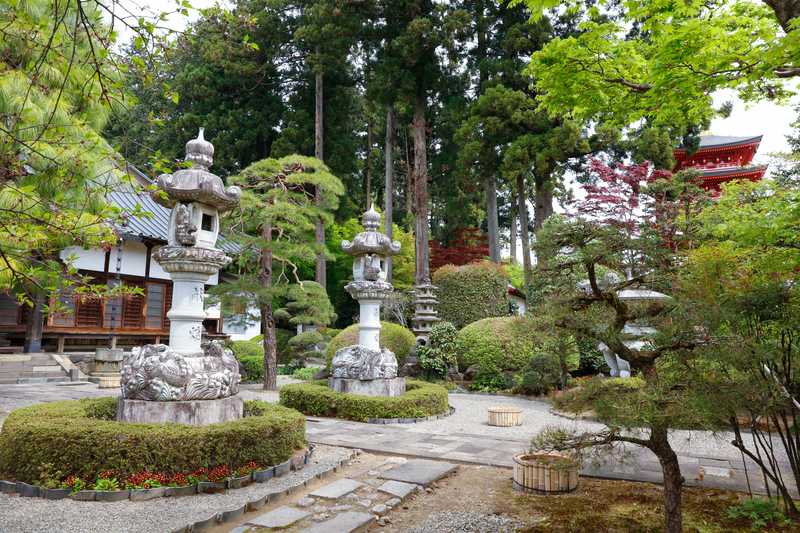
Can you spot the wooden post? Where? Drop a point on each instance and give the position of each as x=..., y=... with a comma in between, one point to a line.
x=60, y=348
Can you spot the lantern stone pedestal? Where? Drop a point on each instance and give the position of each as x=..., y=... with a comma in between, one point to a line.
x=366, y=368
x=106, y=368
x=189, y=381
x=192, y=412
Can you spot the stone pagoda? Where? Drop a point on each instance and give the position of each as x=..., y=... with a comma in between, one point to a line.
x=189, y=381
x=425, y=314
x=365, y=368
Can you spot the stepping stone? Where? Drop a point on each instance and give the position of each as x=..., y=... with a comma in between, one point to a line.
x=398, y=488
x=281, y=517
x=337, y=489
x=419, y=471
x=342, y=523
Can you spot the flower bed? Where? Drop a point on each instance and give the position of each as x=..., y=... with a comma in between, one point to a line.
x=420, y=400
x=47, y=443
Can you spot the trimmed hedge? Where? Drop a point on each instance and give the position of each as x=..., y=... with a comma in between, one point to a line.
x=394, y=337
x=317, y=399
x=471, y=292
x=81, y=438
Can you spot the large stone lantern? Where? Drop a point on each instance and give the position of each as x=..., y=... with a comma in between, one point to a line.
x=365, y=368
x=188, y=381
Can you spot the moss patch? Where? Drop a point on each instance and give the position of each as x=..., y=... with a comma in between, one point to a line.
x=80, y=437
x=317, y=399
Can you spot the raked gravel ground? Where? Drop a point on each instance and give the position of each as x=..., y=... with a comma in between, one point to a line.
x=36, y=515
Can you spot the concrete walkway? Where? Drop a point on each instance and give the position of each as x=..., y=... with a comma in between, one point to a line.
x=706, y=459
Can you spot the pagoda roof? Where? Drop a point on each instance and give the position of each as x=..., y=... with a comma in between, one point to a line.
x=731, y=171
x=721, y=141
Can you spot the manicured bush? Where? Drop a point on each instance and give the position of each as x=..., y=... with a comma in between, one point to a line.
x=81, y=438
x=317, y=399
x=497, y=344
x=242, y=349
x=253, y=367
x=282, y=337
x=471, y=292
x=393, y=337
x=306, y=374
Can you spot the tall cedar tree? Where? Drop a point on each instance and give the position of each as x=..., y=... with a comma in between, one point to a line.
x=275, y=228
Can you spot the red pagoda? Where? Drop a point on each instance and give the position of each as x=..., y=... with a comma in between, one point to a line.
x=721, y=159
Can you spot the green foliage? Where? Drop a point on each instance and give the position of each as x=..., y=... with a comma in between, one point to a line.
x=761, y=512
x=590, y=392
x=58, y=83
x=307, y=304
x=242, y=349
x=667, y=71
x=63, y=435
x=106, y=484
x=282, y=336
x=497, y=344
x=317, y=399
x=305, y=373
x=471, y=292
x=253, y=366
x=439, y=354
x=542, y=374
x=394, y=337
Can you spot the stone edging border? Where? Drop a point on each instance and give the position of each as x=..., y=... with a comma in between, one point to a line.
x=573, y=416
x=25, y=490
x=411, y=420
x=254, y=505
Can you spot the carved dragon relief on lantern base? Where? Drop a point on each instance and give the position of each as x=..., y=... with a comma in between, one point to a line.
x=155, y=372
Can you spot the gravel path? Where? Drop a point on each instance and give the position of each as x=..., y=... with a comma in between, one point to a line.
x=22, y=515
x=466, y=522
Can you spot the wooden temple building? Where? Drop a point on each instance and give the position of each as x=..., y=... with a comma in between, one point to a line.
x=721, y=159
x=125, y=321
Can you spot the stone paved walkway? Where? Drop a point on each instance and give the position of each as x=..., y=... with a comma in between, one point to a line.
x=706, y=459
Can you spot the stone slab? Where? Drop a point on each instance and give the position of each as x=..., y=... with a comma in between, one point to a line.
x=419, y=471
x=372, y=387
x=337, y=489
x=193, y=412
x=283, y=516
x=399, y=489
x=14, y=358
x=343, y=523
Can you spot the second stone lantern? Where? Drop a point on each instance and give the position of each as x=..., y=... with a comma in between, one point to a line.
x=365, y=368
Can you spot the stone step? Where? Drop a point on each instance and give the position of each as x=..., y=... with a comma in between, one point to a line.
x=348, y=522
x=419, y=471
x=337, y=489
x=279, y=518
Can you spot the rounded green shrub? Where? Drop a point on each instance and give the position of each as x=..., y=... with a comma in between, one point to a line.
x=242, y=349
x=81, y=438
x=253, y=367
x=498, y=344
x=317, y=399
x=471, y=292
x=394, y=337
x=282, y=337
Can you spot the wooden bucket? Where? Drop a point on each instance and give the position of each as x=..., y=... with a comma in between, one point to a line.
x=505, y=416
x=548, y=473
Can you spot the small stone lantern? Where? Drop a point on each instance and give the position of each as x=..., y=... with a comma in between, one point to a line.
x=365, y=368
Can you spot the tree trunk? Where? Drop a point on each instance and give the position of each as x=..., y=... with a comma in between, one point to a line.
x=320, y=277
x=522, y=209
x=267, y=318
x=389, y=185
x=421, y=191
x=491, y=218
x=513, y=236
x=673, y=480
x=543, y=204
x=368, y=169
x=35, y=325
x=409, y=180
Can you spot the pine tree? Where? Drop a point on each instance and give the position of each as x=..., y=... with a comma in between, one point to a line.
x=275, y=228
